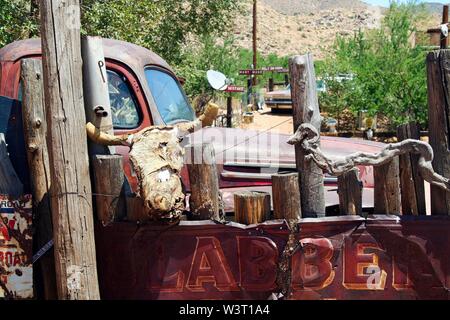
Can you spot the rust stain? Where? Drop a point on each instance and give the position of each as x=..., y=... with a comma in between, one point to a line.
x=16, y=271
x=341, y=258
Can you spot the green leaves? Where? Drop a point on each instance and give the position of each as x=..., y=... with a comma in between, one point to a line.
x=390, y=75
x=18, y=20
x=162, y=26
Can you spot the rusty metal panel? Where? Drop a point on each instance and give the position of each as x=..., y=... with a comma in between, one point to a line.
x=16, y=269
x=382, y=257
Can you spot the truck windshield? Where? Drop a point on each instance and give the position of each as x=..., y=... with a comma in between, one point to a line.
x=170, y=100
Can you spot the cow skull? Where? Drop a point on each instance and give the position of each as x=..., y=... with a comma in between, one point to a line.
x=157, y=158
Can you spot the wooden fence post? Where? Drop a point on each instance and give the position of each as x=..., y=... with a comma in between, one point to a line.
x=438, y=123
x=229, y=111
x=387, y=188
x=411, y=183
x=271, y=84
x=204, y=201
x=350, y=193
x=35, y=130
x=70, y=196
x=251, y=207
x=109, y=188
x=286, y=196
x=306, y=110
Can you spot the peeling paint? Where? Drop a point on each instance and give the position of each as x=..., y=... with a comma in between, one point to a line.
x=16, y=269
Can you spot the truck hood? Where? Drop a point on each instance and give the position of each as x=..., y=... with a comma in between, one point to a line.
x=280, y=94
x=249, y=148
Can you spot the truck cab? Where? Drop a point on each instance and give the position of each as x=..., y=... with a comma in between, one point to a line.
x=145, y=91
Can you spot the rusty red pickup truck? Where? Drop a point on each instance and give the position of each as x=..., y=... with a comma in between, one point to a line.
x=144, y=91
x=349, y=257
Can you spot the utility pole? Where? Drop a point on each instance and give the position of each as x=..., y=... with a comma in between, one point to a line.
x=255, y=50
x=444, y=38
x=70, y=191
x=443, y=29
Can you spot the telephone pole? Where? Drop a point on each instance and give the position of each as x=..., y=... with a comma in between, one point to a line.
x=255, y=20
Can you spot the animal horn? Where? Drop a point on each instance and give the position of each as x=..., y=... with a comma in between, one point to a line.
x=206, y=119
x=104, y=138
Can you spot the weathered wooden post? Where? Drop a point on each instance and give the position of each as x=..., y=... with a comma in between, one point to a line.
x=306, y=110
x=411, y=183
x=70, y=196
x=109, y=188
x=286, y=196
x=438, y=123
x=35, y=130
x=387, y=188
x=350, y=193
x=204, y=201
x=251, y=207
x=229, y=111
x=271, y=84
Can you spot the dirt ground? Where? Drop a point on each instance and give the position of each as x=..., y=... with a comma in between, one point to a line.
x=280, y=122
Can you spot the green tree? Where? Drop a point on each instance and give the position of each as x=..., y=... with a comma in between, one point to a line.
x=162, y=26
x=390, y=76
x=18, y=20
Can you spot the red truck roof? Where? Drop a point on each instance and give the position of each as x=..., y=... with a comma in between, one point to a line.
x=128, y=53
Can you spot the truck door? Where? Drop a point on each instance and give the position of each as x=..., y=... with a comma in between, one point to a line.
x=129, y=109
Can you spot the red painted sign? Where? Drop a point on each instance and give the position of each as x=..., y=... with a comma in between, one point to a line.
x=262, y=70
x=16, y=269
x=232, y=88
x=248, y=72
x=336, y=258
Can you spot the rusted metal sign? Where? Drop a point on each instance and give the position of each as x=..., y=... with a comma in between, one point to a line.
x=262, y=70
x=233, y=88
x=331, y=258
x=16, y=269
x=250, y=72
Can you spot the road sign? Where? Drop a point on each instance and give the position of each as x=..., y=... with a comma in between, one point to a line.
x=232, y=88
x=270, y=69
x=248, y=72
x=262, y=70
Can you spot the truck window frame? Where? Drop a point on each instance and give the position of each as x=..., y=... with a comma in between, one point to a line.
x=177, y=81
x=145, y=116
x=132, y=96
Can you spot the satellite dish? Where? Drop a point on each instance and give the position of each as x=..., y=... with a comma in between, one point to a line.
x=217, y=80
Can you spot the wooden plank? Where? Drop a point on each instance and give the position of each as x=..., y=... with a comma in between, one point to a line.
x=286, y=196
x=306, y=110
x=387, y=188
x=35, y=130
x=438, y=74
x=411, y=183
x=350, y=193
x=71, y=196
x=109, y=187
x=204, y=201
x=251, y=207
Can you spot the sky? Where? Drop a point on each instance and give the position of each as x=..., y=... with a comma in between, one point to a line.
x=386, y=2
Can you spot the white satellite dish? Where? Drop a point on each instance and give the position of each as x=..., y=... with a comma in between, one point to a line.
x=217, y=80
